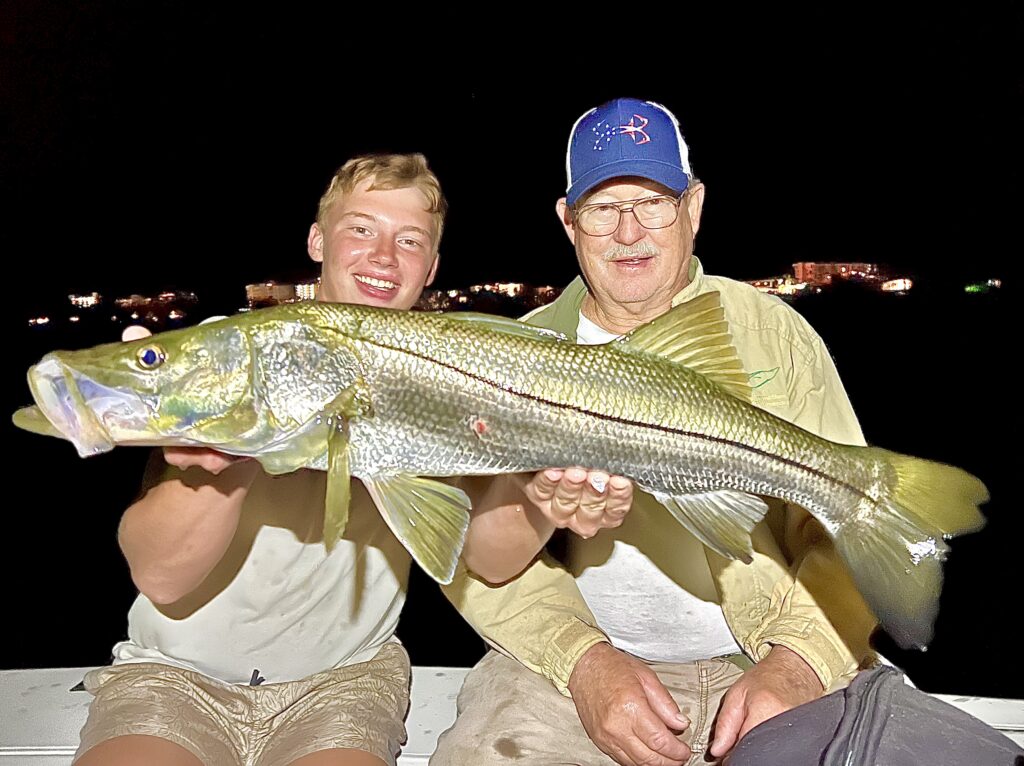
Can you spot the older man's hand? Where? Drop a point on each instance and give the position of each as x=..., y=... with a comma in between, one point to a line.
x=626, y=710
x=778, y=683
x=581, y=500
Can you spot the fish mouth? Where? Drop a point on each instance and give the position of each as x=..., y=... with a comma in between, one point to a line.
x=90, y=415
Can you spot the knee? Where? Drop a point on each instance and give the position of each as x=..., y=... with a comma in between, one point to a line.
x=493, y=750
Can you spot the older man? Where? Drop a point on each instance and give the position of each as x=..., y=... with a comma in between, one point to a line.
x=670, y=653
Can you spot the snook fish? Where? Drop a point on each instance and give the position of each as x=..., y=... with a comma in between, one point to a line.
x=394, y=397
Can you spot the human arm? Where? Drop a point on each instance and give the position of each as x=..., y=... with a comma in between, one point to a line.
x=514, y=515
x=795, y=610
x=181, y=525
x=541, y=620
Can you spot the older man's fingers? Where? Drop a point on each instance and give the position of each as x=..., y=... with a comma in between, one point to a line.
x=134, y=332
x=568, y=494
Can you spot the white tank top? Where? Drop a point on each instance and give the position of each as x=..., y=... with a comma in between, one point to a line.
x=277, y=602
x=648, y=582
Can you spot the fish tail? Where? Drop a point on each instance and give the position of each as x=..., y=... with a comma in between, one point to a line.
x=894, y=542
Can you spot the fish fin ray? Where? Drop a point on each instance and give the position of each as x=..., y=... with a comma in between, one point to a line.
x=938, y=494
x=339, y=484
x=723, y=520
x=428, y=517
x=894, y=546
x=696, y=335
x=305, y=447
x=507, y=326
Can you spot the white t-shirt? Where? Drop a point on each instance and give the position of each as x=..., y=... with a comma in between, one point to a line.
x=277, y=602
x=630, y=581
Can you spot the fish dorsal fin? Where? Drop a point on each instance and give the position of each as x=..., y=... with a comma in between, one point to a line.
x=506, y=326
x=696, y=335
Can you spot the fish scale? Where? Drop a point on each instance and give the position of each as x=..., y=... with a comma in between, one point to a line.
x=537, y=408
x=394, y=397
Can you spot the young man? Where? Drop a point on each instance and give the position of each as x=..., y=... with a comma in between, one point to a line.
x=249, y=643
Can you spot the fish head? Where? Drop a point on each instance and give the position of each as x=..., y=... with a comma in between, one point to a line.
x=243, y=385
x=189, y=387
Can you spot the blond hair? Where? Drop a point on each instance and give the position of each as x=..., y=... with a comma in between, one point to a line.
x=385, y=173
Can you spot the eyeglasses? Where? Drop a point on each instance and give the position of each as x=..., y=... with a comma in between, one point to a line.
x=602, y=218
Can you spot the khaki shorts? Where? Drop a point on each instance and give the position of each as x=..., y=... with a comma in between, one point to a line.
x=511, y=716
x=360, y=706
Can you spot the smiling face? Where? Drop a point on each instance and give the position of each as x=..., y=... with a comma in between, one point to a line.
x=634, y=268
x=378, y=247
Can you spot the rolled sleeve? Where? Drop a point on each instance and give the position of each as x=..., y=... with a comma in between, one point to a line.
x=813, y=606
x=539, y=619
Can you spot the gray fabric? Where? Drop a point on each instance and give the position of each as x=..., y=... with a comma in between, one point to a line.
x=877, y=720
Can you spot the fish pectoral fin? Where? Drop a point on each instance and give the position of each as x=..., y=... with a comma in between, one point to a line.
x=304, y=447
x=696, y=335
x=429, y=517
x=32, y=419
x=301, y=450
x=339, y=484
x=722, y=520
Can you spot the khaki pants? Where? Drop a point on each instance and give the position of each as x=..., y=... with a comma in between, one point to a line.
x=509, y=714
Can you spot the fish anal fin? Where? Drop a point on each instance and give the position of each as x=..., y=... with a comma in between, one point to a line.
x=428, y=517
x=723, y=520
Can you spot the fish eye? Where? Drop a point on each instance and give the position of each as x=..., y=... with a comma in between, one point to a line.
x=150, y=357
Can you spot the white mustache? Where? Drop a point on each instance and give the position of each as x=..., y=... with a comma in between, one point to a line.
x=640, y=249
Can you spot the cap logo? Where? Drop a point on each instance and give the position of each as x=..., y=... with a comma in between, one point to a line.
x=632, y=130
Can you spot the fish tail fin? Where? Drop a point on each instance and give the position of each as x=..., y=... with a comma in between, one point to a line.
x=894, y=544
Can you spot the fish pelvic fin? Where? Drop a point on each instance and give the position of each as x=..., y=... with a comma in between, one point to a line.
x=722, y=520
x=339, y=484
x=696, y=335
x=894, y=546
x=428, y=517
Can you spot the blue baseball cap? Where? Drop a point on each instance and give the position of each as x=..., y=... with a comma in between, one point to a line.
x=626, y=137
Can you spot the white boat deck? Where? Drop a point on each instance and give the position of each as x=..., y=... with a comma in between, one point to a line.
x=40, y=716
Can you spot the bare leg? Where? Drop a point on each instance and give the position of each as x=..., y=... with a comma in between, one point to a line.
x=339, y=757
x=133, y=749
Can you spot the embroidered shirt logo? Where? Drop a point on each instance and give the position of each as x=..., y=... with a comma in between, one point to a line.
x=759, y=377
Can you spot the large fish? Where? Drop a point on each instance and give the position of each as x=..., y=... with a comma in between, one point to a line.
x=394, y=397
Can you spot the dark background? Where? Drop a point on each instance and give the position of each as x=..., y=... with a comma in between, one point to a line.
x=152, y=148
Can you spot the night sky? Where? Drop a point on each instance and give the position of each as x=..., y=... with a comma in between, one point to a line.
x=147, y=146
x=161, y=147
